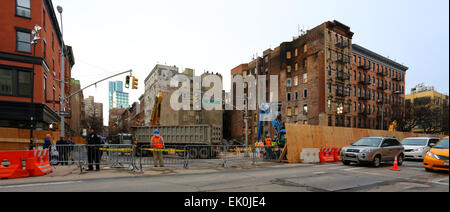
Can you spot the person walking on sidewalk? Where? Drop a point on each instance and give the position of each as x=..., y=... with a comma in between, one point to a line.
x=158, y=144
x=93, y=150
x=62, y=147
x=47, y=142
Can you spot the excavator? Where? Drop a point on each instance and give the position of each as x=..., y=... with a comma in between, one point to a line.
x=280, y=132
x=157, y=110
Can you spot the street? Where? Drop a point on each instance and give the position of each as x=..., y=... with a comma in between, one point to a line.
x=276, y=178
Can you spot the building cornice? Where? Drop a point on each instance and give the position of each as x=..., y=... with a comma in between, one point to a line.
x=359, y=50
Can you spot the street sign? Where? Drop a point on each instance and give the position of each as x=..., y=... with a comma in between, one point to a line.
x=62, y=113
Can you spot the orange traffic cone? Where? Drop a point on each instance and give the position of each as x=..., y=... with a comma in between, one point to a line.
x=395, y=168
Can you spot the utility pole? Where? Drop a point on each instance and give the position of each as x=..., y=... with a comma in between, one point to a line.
x=61, y=101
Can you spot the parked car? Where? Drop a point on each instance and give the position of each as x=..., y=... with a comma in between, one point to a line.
x=374, y=151
x=437, y=157
x=416, y=148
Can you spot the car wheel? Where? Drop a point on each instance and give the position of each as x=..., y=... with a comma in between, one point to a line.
x=400, y=160
x=376, y=161
x=346, y=162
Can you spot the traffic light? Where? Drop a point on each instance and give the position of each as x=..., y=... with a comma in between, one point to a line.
x=127, y=82
x=135, y=83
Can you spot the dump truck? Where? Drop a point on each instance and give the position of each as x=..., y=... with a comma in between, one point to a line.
x=196, y=139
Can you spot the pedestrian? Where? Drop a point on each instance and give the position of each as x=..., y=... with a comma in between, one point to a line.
x=93, y=150
x=71, y=147
x=47, y=142
x=157, y=143
x=62, y=147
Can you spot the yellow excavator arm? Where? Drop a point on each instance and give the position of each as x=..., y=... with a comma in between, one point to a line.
x=156, y=110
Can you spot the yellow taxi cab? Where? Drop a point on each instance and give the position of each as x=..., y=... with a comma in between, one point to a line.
x=437, y=157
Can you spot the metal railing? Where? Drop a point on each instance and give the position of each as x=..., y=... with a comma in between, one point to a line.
x=93, y=157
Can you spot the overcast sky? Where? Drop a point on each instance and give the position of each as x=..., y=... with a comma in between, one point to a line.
x=111, y=36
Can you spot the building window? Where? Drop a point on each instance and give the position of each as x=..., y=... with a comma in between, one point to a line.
x=289, y=82
x=288, y=55
x=45, y=87
x=289, y=97
x=23, y=38
x=43, y=20
x=295, y=80
x=305, y=78
x=296, y=95
x=305, y=109
x=330, y=122
x=15, y=83
x=296, y=111
x=289, y=111
x=305, y=93
x=329, y=70
x=296, y=52
x=329, y=87
x=329, y=104
x=23, y=8
x=296, y=66
x=289, y=69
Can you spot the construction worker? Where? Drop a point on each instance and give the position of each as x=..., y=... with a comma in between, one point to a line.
x=158, y=143
x=261, y=148
x=268, y=147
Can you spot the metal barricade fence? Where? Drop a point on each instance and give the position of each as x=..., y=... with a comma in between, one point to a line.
x=268, y=154
x=116, y=156
x=138, y=158
x=170, y=155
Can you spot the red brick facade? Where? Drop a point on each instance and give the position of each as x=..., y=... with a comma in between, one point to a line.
x=316, y=85
x=18, y=59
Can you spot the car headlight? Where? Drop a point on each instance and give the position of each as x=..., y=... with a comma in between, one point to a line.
x=365, y=150
x=420, y=149
x=432, y=155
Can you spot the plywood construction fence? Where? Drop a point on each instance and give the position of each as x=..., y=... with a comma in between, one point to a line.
x=307, y=136
x=19, y=139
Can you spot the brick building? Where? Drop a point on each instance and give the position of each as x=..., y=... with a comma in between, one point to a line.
x=158, y=81
x=22, y=93
x=317, y=83
x=78, y=122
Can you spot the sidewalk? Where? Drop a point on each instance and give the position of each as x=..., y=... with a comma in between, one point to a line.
x=72, y=173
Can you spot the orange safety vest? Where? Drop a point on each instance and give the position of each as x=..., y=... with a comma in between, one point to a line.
x=260, y=144
x=268, y=142
x=157, y=142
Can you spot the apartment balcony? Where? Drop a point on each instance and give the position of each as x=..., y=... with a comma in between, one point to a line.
x=342, y=76
x=364, y=82
x=342, y=61
x=363, y=98
x=341, y=94
x=397, y=79
x=363, y=113
x=364, y=67
x=382, y=87
x=381, y=74
x=341, y=45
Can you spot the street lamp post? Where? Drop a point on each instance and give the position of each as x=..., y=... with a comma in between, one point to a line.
x=36, y=38
x=62, y=108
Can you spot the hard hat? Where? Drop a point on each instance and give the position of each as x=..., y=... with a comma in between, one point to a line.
x=156, y=131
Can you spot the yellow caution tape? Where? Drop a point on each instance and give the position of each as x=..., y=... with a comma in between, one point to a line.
x=164, y=150
x=240, y=150
x=116, y=150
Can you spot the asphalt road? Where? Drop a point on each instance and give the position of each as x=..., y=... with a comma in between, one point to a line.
x=283, y=178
